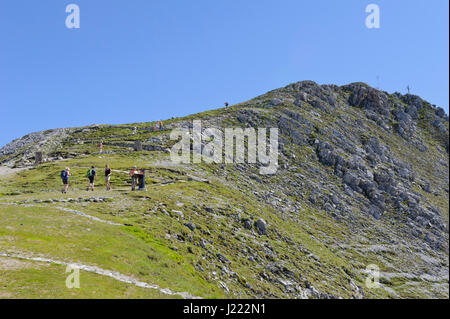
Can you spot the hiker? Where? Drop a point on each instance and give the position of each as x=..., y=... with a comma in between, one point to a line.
x=91, y=174
x=100, y=146
x=134, y=130
x=141, y=178
x=159, y=125
x=107, y=177
x=226, y=104
x=134, y=176
x=65, y=179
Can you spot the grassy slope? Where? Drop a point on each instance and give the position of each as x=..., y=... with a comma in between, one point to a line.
x=159, y=249
x=108, y=246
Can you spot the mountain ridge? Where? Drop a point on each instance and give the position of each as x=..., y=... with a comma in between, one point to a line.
x=440, y=112
x=362, y=180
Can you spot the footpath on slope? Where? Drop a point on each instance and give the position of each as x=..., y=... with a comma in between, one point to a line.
x=69, y=211
x=100, y=271
x=113, y=274
x=5, y=170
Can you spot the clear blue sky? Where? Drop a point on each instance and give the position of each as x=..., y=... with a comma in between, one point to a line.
x=142, y=60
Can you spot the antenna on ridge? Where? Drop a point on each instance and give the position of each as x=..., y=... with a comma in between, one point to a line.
x=408, y=88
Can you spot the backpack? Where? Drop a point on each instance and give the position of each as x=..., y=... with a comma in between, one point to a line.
x=91, y=173
x=63, y=174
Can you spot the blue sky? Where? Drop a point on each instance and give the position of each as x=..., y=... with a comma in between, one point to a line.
x=142, y=60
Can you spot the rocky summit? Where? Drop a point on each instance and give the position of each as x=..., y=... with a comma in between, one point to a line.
x=357, y=208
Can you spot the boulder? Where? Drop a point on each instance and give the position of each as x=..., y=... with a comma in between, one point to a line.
x=190, y=225
x=261, y=226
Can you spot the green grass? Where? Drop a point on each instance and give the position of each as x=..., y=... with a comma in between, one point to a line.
x=64, y=236
x=36, y=280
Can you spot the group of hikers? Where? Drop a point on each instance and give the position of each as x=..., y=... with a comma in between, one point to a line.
x=137, y=178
